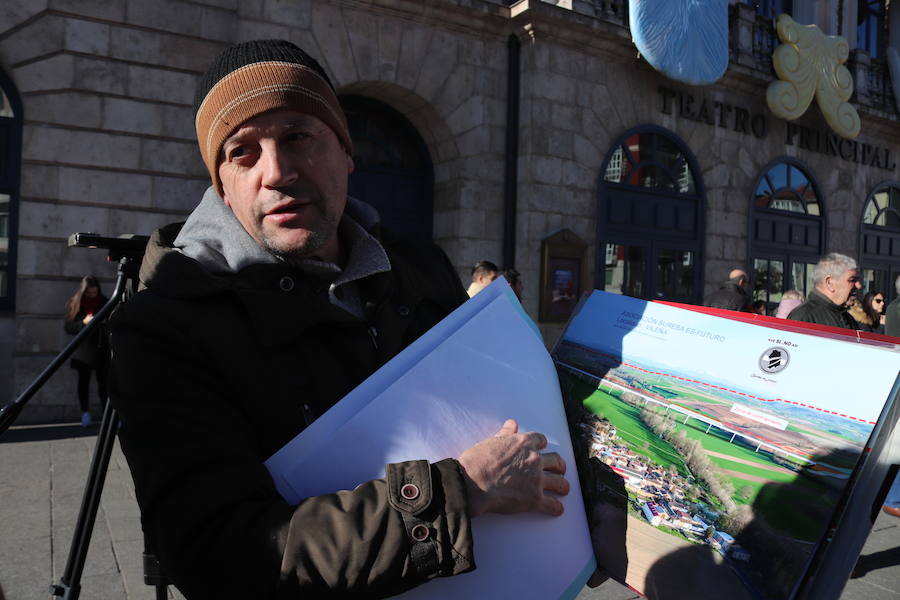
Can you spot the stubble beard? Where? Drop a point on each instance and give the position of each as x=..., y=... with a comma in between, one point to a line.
x=313, y=243
x=317, y=237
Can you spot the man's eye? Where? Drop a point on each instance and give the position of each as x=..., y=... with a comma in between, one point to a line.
x=298, y=136
x=238, y=152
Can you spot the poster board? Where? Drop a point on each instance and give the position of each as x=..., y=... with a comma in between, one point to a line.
x=723, y=457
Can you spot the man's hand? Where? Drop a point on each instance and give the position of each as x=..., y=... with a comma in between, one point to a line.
x=507, y=473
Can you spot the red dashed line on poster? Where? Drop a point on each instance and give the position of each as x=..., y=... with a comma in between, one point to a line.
x=725, y=389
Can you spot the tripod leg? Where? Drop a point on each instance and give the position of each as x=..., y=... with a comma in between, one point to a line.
x=69, y=586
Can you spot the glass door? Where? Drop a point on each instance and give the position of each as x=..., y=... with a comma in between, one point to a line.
x=881, y=278
x=624, y=270
x=674, y=276
x=650, y=272
x=772, y=276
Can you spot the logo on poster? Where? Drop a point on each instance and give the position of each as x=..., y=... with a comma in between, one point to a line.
x=774, y=360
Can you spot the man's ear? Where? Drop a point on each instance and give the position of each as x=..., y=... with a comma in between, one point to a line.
x=349, y=163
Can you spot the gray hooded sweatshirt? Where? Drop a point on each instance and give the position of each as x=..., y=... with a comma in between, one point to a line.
x=214, y=237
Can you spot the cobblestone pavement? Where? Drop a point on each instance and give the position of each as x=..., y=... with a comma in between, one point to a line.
x=42, y=475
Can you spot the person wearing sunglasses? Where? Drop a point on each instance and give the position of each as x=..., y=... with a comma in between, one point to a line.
x=869, y=312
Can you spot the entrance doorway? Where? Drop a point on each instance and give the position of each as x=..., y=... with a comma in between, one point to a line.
x=650, y=212
x=787, y=232
x=392, y=167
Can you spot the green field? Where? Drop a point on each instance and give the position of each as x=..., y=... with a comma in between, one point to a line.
x=631, y=429
x=776, y=476
x=799, y=509
x=792, y=503
x=685, y=391
x=713, y=442
x=690, y=395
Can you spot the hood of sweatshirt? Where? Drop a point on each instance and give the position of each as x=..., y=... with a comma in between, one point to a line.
x=214, y=237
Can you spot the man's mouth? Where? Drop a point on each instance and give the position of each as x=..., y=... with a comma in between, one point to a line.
x=285, y=213
x=287, y=207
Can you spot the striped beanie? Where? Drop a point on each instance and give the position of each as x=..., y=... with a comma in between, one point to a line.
x=251, y=78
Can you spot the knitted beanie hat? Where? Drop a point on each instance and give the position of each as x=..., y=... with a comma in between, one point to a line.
x=250, y=78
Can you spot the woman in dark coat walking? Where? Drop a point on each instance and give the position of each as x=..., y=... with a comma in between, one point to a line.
x=93, y=353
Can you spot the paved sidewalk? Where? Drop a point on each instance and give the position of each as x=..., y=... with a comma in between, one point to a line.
x=42, y=475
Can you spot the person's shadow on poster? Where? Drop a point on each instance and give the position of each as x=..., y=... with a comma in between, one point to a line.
x=763, y=561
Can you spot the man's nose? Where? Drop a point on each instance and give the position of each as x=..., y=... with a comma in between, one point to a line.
x=858, y=285
x=278, y=169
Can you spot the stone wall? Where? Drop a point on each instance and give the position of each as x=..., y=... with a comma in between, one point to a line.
x=108, y=146
x=107, y=88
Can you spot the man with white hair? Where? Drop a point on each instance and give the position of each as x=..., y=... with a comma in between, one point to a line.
x=836, y=280
x=892, y=314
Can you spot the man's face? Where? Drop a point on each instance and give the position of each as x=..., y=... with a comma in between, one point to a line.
x=284, y=175
x=843, y=288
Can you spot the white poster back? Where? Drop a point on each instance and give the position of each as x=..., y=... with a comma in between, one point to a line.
x=450, y=389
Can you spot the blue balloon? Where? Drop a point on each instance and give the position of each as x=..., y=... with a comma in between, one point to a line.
x=686, y=40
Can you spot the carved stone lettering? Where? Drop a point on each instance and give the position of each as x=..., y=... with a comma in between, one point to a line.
x=740, y=119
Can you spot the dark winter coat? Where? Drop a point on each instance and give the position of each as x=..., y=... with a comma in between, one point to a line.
x=863, y=321
x=821, y=310
x=213, y=374
x=93, y=351
x=892, y=318
x=729, y=296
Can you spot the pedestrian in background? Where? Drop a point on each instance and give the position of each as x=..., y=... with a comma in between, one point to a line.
x=514, y=279
x=758, y=307
x=790, y=300
x=892, y=313
x=732, y=294
x=869, y=312
x=483, y=273
x=92, y=355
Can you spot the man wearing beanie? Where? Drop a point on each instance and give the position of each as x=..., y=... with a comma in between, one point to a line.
x=277, y=297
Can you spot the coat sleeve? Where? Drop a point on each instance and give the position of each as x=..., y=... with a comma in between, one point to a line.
x=211, y=511
x=73, y=326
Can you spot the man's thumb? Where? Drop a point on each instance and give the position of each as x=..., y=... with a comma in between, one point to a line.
x=509, y=427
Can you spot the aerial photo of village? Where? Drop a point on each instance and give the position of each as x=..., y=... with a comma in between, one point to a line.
x=705, y=473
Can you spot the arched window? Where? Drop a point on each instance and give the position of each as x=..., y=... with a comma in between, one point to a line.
x=650, y=212
x=880, y=239
x=10, y=159
x=787, y=231
x=392, y=167
x=786, y=187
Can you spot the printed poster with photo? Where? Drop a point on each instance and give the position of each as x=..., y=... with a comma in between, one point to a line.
x=712, y=453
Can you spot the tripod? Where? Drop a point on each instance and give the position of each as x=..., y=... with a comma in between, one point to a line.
x=128, y=252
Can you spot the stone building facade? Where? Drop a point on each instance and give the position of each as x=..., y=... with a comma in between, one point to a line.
x=659, y=180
